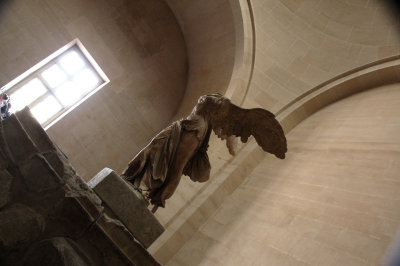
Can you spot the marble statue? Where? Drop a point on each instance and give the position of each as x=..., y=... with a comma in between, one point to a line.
x=181, y=148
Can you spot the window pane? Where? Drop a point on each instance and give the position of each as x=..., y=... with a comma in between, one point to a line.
x=68, y=93
x=54, y=76
x=72, y=62
x=27, y=94
x=45, y=109
x=56, y=84
x=86, y=80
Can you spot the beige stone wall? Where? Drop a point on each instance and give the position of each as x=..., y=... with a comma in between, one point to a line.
x=209, y=31
x=271, y=54
x=228, y=174
x=140, y=47
x=301, y=44
x=307, y=55
x=333, y=201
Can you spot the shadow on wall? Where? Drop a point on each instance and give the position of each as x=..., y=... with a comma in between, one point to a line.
x=3, y=6
x=394, y=8
x=393, y=257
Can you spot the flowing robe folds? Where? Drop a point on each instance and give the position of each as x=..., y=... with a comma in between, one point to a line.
x=181, y=148
x=149, y=169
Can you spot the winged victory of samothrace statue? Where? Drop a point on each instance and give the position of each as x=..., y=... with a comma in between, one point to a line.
x=181, y=148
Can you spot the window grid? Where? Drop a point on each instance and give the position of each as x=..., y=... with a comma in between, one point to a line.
x=88, y=72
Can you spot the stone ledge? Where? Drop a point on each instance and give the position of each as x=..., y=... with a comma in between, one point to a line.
x=35, y=131
x=17, y=141
x=127, y=205
x=125, y=241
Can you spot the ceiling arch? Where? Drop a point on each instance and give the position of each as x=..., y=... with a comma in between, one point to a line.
x=220, y=48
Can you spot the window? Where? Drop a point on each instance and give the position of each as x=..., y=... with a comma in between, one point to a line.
x=58, y=84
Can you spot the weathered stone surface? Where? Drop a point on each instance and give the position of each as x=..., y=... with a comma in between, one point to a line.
x=4, y=162
x=19, y=225
x=4, y=156
x=18, y=142
x=77, y=188
x=103, y=251
x=39, y=175
x=89, y=201
x=44, y=204
x=5, y=186
x=55, y=251
x=35, y=131
x=127, y=205
x=56, y=162
x=73, y=216
x=125, y=241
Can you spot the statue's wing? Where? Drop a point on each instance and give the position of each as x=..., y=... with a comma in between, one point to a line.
x=258, y=122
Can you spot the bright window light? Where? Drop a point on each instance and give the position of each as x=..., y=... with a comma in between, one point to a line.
x=56, y=85
x=54, y=76
x=27, y=94
x=46, y=109
x=72, y=62
x=68, y=93
x=86, y=80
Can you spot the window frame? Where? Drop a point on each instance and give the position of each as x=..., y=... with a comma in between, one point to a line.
x=53, y=59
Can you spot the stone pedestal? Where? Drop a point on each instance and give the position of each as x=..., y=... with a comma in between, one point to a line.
x=127, y=205
x=48, y=214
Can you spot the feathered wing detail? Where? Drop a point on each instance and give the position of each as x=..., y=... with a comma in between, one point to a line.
x=240, y=122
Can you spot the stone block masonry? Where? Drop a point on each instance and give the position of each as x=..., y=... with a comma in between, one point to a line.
x=48, y=215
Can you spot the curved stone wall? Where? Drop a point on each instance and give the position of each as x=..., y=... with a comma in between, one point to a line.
x=232, y=172
x=307, y=54
x=220, y=54
x=291, y=57
x=386, y=71
x=332, y=201
x=210, y=35
x=301, y=44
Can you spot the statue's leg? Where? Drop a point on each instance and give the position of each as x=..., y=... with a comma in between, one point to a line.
x=185, y=150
